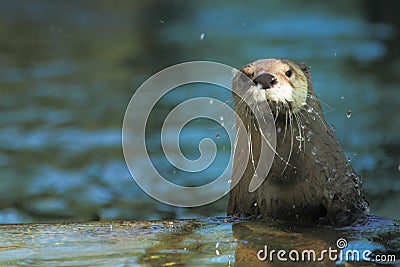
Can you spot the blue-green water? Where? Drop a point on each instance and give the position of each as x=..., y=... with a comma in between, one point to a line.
x=200, y=242
x=69, y=69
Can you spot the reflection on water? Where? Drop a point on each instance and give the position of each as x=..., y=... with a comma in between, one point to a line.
x=207, y=242
x=67, y=72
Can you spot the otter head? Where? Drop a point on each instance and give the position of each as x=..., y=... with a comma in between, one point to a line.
x=282, y=82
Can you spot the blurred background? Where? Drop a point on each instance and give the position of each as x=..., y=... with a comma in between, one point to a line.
x=68, y=70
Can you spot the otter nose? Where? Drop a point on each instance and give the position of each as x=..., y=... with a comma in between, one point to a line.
x=266, y=80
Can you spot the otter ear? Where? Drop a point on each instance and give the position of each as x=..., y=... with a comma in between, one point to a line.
x=305, y=68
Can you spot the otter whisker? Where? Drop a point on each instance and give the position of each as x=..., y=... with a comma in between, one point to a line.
x=310, y=109
x=230, y=100
x=277, y=112
x=256, y=128
x=318, y=100
x=263, y=117
x=291, y=135
x=286, y=123
x=249, y=137
x=301, y=130
x=274, y=150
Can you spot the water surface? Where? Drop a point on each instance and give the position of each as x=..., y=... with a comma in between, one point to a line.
x=68, y=71
x=205, y=242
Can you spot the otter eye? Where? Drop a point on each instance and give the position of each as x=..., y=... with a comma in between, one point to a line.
x=288, y=73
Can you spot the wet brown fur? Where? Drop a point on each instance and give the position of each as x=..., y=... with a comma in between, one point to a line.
x=311, y=181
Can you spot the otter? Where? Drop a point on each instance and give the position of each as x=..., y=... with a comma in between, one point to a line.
x=310, y=180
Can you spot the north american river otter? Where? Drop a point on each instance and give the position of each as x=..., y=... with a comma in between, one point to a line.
x=310, y=180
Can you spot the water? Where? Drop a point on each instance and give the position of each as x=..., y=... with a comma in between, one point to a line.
x=68, y=71
x=201, y=242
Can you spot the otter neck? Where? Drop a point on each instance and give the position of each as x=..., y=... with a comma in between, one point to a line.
x=304, y=182
x=300, y=138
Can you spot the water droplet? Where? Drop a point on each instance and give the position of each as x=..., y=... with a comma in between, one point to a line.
x=255, y=204
x=358, y=192
x=229, y=181
x=342, y=97
x=330, y=179
x=161, y=21
x=309, y=110
x=333, y=127
x=217, y=136
x=348, y=159
x=314, y=151
x=363, y=205
x=217, y=252
x=221, y=118
x=211, y=101
x=349, y=113
x=334, y=170
x=217, y=245
x=302, y=126
x=174, y=171
x=299, y=138
x=309, y=134
x=279, y=129
x=202, y=36
x=294, y=206
x=335, y=54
